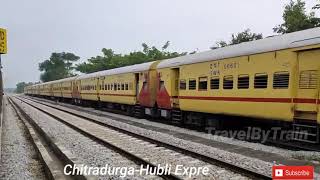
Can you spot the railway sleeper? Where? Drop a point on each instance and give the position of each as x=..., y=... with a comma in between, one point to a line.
x=205, y=122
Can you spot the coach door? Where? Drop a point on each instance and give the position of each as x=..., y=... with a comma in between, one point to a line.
x=175, y=87
x=75, y=89
x=137, y=86
x=308, y=87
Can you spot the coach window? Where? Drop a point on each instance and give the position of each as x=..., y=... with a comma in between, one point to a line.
x=308, y=79
x=214, y=83
x=203, y=84
x=126, y=86
x=122, y=86
x=261, y=81
x=115, y=86
x=243, y=81
x=119, y=86
x=192, y=84
x=281, y=80
x=228, y=82
x=183, y=84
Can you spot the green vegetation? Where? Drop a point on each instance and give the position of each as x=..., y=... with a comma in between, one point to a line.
x=60, y=65
x=110, y=59
x=238, y=38
x=296, y=19
x=20, y=86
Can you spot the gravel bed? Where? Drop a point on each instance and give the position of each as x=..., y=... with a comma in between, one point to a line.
x=147, y=151
x=19, y=159
x=302, y=155
x=87, y=151
x=233, y=158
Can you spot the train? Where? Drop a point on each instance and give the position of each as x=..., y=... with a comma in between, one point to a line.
x=275, y=79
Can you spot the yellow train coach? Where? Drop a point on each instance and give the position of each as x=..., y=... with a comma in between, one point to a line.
x=276, y=78
x=123, y=87
x=129, y=86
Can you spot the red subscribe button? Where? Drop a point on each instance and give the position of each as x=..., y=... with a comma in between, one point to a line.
x=292, y=172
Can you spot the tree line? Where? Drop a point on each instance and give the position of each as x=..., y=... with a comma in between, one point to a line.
x=63, y=65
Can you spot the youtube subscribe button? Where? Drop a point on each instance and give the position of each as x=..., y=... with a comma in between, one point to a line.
x=292, y=172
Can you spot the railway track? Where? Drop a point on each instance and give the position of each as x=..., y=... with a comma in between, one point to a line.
x=65, y=157
x=49, y=157
x=141, y=148
x=290, y=145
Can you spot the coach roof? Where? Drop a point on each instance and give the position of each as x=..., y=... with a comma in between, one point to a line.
x=290, y=40
x=121, y=70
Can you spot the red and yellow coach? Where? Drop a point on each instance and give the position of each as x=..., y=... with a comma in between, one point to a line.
x=276, y=78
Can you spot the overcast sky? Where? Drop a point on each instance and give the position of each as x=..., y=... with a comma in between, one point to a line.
x=36, y=28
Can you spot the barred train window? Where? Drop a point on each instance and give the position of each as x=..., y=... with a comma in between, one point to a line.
x=203, y=83
x=214, y=83
x=183, y=84
x=243, y=81
x=192, y=84
x=261, y=81
x=228, y=82
x=281, y=80
x=308, y=79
